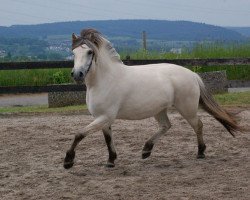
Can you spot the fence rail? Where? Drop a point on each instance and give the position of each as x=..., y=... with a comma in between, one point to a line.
x=69, y=64
x=193, y=62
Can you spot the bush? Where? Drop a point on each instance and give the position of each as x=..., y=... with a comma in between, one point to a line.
x=58, y=77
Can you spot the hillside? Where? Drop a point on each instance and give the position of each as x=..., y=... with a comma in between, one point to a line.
x=156, y=29
x=242, y=30
x=53, y=41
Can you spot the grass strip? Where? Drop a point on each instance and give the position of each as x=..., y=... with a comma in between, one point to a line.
x=41, y=109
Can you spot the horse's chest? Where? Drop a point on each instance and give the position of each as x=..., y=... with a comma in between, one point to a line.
x=93, y=104
x=98, y=103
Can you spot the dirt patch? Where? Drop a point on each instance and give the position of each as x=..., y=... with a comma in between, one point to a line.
x=32, y=150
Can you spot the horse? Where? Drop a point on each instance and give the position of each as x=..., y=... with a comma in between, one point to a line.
x=117, y=91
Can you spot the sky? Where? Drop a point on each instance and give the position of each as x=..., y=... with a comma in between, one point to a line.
x=216, y=12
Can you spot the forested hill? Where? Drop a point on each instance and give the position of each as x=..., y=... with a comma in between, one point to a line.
x=156, y=29
x=242, y=30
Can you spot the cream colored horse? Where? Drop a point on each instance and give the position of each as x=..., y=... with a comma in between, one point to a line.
x=117, y=91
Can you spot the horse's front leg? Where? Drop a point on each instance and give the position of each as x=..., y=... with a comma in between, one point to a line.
x=98, y=124
x=107, y=132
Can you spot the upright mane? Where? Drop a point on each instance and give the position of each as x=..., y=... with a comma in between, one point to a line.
x=92, y=37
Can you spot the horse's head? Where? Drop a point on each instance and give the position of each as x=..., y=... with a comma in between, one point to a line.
x=85, y=51
x=83, y=57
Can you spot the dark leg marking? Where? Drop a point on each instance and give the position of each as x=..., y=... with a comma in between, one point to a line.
x=201, y=145
x=70, y=154
x=147, y=150
x=201, y=150
x=69, y=159
x=112, y=154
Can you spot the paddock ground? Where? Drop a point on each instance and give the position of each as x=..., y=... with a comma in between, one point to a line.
x=32, y=149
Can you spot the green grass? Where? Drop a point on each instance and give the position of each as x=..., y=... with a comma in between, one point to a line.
x=239, y=72
x=34, y=77
x=233, y=99
x=203, y=50
x=227, y=99
x=40, y=77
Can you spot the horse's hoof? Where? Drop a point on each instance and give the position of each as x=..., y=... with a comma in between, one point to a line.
x=69, y=159
x=146, y=154
x=68, y=165
x=200, y=156
x=110, y=165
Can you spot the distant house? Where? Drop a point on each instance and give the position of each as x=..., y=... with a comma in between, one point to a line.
x=176, y=50
x=2, y=53
x=70, y=57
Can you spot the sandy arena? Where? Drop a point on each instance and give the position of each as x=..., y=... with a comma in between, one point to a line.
x=32, y=149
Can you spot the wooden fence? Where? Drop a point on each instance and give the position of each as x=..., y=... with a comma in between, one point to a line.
x=69, y=64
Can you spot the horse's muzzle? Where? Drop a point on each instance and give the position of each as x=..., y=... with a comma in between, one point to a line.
x=78, y=76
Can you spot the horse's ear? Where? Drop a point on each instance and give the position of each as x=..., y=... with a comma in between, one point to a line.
x=74, y=37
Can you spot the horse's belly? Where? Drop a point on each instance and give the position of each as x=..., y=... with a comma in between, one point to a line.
x=142, y=110
x=138, y=114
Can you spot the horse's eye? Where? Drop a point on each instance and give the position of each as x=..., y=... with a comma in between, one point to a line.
x=90, y=52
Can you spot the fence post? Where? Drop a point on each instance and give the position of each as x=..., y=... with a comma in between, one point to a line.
x=144, y=41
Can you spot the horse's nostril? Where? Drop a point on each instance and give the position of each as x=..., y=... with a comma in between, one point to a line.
x=81, y=74
x=72, y=74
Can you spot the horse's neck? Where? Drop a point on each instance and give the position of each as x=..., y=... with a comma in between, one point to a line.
x=105, y=70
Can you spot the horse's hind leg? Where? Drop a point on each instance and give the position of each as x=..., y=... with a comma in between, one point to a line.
x=187, y=103
x=201, y=144
x=164, y=125
x=111, y=148
x=197, y=125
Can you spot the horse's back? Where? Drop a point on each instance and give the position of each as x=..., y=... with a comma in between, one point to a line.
x=180, y=78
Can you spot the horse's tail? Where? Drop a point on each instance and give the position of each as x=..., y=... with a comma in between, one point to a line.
x=208, y=103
